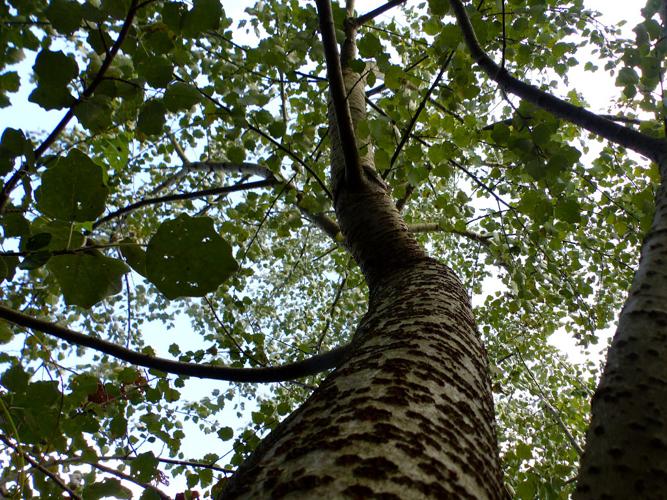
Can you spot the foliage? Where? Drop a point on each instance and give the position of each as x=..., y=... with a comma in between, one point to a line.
x=170, y=98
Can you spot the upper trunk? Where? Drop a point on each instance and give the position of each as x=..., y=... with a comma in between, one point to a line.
x=409, y=414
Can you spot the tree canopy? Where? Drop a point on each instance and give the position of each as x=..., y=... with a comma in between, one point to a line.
x=177, y=222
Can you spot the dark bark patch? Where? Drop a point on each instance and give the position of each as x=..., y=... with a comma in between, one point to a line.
x=304, y=483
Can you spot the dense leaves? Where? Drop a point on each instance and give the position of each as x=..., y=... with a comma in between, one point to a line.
x=113, y=224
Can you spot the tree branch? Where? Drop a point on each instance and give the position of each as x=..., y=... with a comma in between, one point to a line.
x=636, y=141
x=87, y=92
x=185, y=196
x=42, y=469
x=310, y=366
x=353, y=173
x=415, y=117
x=363, y=19
x=129, y=478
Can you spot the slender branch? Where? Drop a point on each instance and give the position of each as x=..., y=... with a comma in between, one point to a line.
x=126, y=458
x=636, y=141
x=415, y=116
x=363, y=19
x=129, y=478
x=310, y=366
x=432, y=227
x=185, y=196
x=42, y=469
x=353, y=173
x=613, y=118
x=87, y=92
x=227, y=166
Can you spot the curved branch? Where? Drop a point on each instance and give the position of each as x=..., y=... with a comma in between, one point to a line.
x=310, y=366
x=87, y=92
x=184, y=196
x=636, y=141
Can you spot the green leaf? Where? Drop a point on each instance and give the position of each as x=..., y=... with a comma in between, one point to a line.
x=568, y=210
x=187, y=257
x=6, y=333
x=151, y=117
x=73, y=189
x=87, y=278
x=64, y=15
x=15, y=379
x=8, y=266
x=134, y=255
x=225, y=433
x=180, y=96
x=369, y=46
x=54, y=71
x=106, y=488
x=94, y=113
x=144, y=467
x=14, y=224
x=157, y=71
x=204, y=15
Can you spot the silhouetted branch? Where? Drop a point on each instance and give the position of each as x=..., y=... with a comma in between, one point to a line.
x=129, y=478
x=348, y=142
x=310, y=366
x=363, y=19
x=636, y=141
x=185, y=196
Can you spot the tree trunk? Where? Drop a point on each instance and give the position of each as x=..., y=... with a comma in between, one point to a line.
x=626, y=449
x=409, y=414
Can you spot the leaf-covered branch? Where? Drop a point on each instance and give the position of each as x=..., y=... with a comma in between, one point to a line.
x=310, y=366
x=596, y=124
x=87, y=92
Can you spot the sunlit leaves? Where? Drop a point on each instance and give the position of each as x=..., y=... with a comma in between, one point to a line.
x=87, y=277
x=187, y=257
x=73, y=189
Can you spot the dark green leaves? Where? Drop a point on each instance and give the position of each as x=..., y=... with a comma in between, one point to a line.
x=54, y=71
x=64, y=15
x=106, y=488
x=187, y=257
x=151, y=117
x=204, y=15
x=180, y=96
x=73, y=189
x=87, y=278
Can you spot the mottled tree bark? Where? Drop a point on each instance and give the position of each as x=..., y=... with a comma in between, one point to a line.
x=410, y=413
x=626, y=450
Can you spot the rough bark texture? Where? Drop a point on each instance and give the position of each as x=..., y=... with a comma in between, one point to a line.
x=626, y=450
x=409, y=415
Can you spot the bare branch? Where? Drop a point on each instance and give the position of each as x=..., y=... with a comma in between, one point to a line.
x=310, y=366
x=376, y=12
x=185, y=196
x=636, y=141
